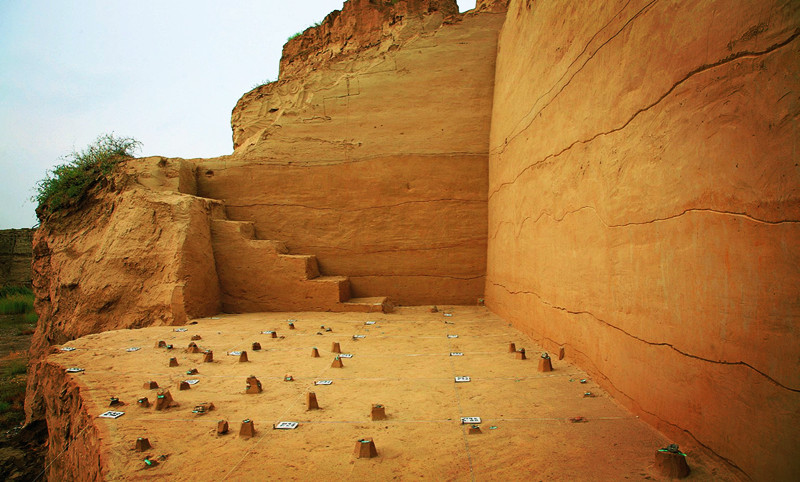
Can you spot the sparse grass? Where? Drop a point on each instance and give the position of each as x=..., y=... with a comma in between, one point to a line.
x=293, y=36
x=16, y=304
x=68, y=183
x=12, y=389
x=15, y=290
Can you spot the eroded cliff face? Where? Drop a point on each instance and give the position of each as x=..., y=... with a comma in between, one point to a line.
x=138, y=253
x=644, y=210
x=370, y=152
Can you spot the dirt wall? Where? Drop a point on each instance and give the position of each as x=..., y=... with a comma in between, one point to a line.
x=643, y=210
x=375, y=162
x=15, y=257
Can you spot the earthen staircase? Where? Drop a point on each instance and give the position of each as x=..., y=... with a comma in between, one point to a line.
x=261, y=275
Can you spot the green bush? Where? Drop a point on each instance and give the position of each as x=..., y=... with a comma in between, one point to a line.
x=68, y=183
x=16, y=304
x=15, y=367
x=30, y=318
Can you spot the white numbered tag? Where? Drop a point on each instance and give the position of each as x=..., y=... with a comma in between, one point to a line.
x=133, y=348
x=323, y=382
x=346, y=355
x=234, y=353
x=452, y=336
x=359, y=336
x=180, y=330
x=67, y=348
x=111, y=414
x=370, y=323
x=286, y=425
x=456, y=353
x=266, y=332
x=192, y=382
x=462, y=379
x=74, y=370
x=448, y=314
x=466, y=420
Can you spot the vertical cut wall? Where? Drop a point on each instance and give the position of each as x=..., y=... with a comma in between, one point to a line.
x=644, y=208
x=376, y=162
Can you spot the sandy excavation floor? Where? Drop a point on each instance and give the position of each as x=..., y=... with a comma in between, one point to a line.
x=403, y=362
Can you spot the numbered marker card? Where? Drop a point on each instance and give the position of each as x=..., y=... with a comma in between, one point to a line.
x=286, y=425
x=111, y=414
x=470, y=420
x=462, y=379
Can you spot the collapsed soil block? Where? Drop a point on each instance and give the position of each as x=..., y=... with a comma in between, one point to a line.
x=365, y=448
x=184, y=386
x=253, y=385
x=173, y=362
x=434, y=309
x=143, y=402
x=222, y=427
x=247, y=429
x=256, y=346
x=314, y=353
x=161, y=344
x=291, y=325
x=193, y=348
x=164, y=400
x=335, y=348
x=545, y=364
x=475, y=430
x=378, y=412
x=671, y=462
x=150, y=385
x=197, y=337
x=114, y=402
x=274, y=334
x=561, y=353
x=208, y=356
x=512, y=347
x=337, y=363
x=311, y=401
x=243, y=357
x=520, y=354
x=192, y=371
x=142, y=444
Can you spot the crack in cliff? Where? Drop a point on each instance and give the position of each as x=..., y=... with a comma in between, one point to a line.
x=652, y=414
x=585, y=48
x=637, y=223
x=385, y=206
x=699, y=70
x=651, y=343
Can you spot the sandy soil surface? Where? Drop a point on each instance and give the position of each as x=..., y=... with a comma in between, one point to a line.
x=403, y=362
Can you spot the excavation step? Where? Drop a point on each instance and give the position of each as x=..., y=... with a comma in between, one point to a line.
x=373, y=304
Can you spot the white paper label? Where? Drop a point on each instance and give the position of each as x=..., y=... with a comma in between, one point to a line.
x=359, y=336
x=462, y=379
x=180, y=330
x=452, y=336
x=192, y=382
x=234, y=353
x=370, y=323
x=286, y=425
x=466, y=420
x=456, y=353
x=74, y=370
x=346, y=355
x=111, y=414
x=133, y=348
x=266, y=332
x=67, y=348
x=323, y=382
x=448, y=314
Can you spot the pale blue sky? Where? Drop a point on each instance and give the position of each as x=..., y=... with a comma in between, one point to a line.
x=165, y=72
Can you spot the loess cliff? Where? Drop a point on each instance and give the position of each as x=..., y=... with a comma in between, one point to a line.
x=618, y=179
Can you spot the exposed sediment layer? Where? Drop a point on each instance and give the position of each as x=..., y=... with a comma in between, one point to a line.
x=15, y=257
x=646, y=216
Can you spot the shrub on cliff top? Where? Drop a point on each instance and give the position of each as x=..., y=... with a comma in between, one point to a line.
x=68, y=183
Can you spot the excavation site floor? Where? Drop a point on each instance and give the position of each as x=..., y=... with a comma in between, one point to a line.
x=406, y=361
